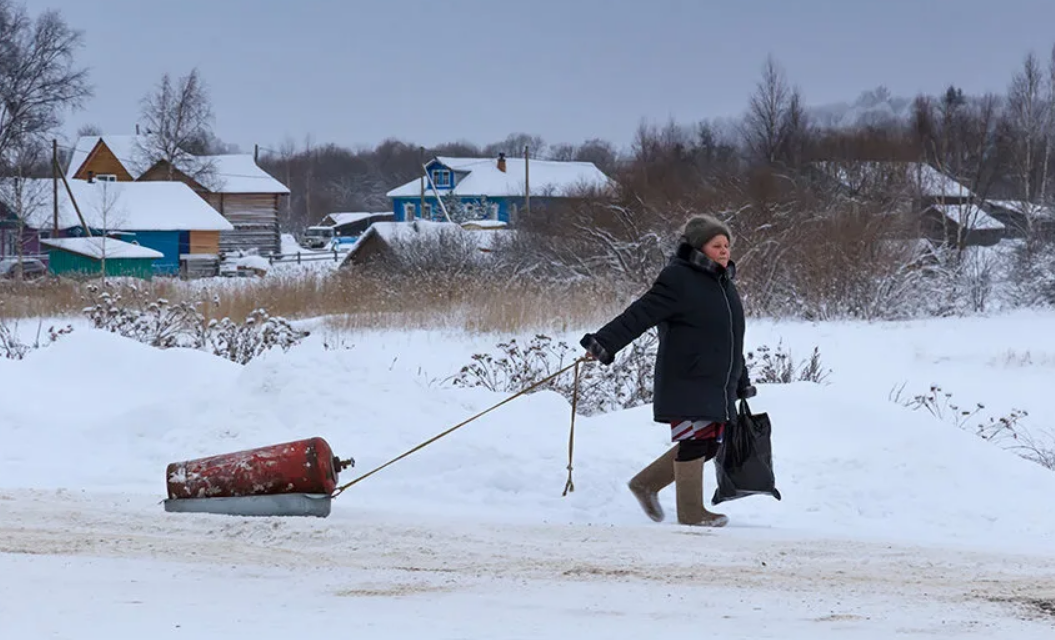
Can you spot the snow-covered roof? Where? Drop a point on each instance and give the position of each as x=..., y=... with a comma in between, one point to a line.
x=348, y=217
x=1038, y=211
x=127, y=206
x=419, y=231
x=239, y=173
x=102, y=247
x=919, y=176
x=485, y=224
x=969, y=216
x=128, y=149
x=483, y=178
x=225, y=173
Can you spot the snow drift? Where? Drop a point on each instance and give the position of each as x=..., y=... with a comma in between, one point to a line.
x=101, y=413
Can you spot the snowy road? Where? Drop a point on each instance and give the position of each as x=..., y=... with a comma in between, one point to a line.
x=104, y=566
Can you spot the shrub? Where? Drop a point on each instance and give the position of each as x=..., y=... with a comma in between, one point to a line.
x=159, y=323
x=1006, y=430
x=13, y=348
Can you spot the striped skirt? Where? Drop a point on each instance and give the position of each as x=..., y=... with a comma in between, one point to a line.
x=696, y=430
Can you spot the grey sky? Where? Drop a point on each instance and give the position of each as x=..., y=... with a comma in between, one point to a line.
x=357, y=71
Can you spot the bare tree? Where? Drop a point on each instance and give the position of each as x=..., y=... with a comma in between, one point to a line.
x=38, y=77
x=775, y=119
x=178, y=117
x=89, y=130
x=109, y=215
x=1028, y=122
x=514, y=144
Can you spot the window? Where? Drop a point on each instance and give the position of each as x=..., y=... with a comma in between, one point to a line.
x=428, y=211
x=441, y=178
x=106, y=177
x=408, y=211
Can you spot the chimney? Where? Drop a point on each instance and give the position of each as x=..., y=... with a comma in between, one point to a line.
x=502, y=162
x=137, y=129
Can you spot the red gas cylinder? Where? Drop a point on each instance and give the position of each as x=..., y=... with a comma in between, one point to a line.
x=303, y=466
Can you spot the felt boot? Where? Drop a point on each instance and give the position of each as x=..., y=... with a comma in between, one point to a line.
x=649, y=481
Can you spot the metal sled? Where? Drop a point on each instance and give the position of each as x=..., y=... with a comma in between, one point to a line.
x=283, y=504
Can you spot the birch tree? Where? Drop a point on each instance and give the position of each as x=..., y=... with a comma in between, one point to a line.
x=178, y=117
x=39, y=79
x=1029, y=123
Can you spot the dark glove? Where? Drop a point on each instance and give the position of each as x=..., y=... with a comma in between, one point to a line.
x=746, y=392
x=596, y=349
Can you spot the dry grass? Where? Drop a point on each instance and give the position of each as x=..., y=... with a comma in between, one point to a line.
x=354, y=300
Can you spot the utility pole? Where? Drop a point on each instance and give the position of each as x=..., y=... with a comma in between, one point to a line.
x=421, y=163
x=55, y=187
x=527, y=184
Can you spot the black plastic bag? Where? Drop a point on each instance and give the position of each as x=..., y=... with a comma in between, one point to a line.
x=744, y=462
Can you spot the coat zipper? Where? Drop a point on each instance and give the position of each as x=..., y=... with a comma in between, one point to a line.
x=732, y=346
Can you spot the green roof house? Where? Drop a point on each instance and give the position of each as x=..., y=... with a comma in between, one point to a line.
x=85, y=257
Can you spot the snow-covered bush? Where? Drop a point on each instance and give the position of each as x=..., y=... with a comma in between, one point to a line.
x=158, y=323
x=130, y=312
x=259, y=333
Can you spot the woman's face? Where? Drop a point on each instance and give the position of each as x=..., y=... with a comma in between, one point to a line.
x=718, y=250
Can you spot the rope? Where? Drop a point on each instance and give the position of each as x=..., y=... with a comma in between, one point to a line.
x=570, y=486
x=341, y=489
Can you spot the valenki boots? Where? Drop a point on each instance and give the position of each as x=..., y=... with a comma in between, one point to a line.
x=650, y=480
x=688, y=478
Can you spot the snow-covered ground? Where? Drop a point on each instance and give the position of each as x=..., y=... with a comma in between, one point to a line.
x=892, y=522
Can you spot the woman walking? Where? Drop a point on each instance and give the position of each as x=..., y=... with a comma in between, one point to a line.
x=700, y=369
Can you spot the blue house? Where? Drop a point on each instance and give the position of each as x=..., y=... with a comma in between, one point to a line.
x=168, y=217
x=467, y=189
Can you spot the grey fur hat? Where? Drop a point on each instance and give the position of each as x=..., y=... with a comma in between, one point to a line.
x=700, y=230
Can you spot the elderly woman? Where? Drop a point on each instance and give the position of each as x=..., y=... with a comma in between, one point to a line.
x=700, y=368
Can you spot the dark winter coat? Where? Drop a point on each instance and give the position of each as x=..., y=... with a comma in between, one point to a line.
x=700, y=369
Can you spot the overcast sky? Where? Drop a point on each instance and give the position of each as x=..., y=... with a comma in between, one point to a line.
x=427, y=71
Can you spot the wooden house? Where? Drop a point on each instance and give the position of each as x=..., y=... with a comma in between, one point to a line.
x=243, y=193
x=953, y=224
x=16, y=238
x=88, y=257
x=1022, y=217
x=426, y=239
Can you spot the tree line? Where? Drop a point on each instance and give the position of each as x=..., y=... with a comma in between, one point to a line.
x=770, y=171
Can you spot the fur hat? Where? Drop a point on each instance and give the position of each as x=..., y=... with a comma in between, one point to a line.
x=700, y=230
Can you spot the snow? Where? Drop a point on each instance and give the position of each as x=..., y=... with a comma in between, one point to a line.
x=483, y=178
x=1039, y=212
x=485, y=224
x=892, y=522
x=970, y=216
x=100, y=247
x=259, y=263
x=129, y=206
